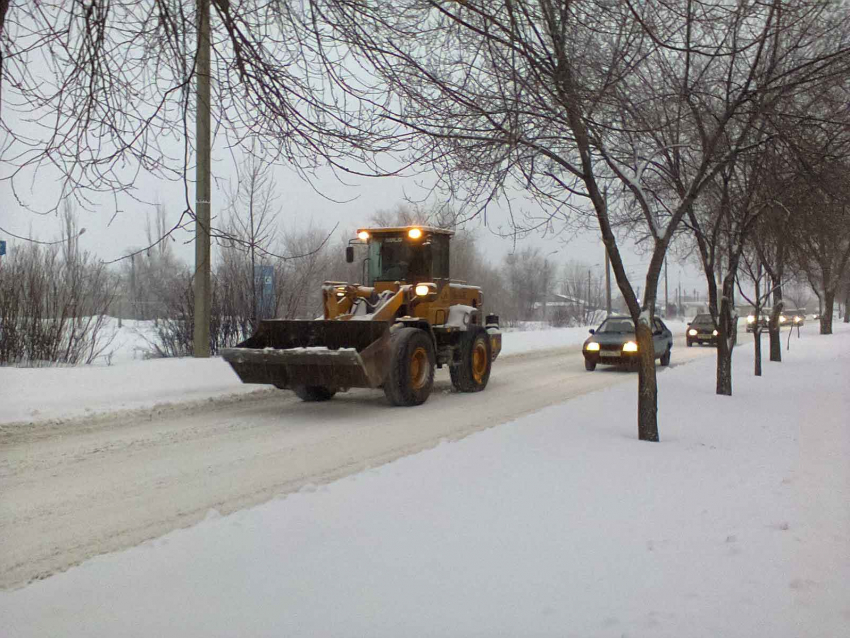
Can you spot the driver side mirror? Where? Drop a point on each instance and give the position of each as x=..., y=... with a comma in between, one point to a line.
x=349, y=254
x=592, y=331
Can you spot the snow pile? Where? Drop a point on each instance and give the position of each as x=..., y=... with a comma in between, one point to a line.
x=558, y=524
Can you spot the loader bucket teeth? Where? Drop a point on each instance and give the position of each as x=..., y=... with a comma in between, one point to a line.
x=333, y=354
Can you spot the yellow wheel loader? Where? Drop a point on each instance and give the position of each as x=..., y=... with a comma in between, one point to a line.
x=391, y=332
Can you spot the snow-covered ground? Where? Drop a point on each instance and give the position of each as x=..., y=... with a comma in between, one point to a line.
x=123, y=379
x=557, y=524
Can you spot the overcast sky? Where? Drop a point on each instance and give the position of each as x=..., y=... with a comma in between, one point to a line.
x=110, y=235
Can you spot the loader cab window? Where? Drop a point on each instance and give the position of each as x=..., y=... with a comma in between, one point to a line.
x=440, y=257
x=394, y=258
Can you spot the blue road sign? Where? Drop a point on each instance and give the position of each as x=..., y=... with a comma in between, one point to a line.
x=264, y=276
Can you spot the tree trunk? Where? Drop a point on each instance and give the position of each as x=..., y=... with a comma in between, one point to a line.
x=847, y=304
x=725, y=344
x=647, y=385
x=826, y=315
x=774, y=327
x=757, y=351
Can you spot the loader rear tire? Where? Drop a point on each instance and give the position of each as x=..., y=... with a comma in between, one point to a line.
x=314, y=392
x=472, y=372
x=412, y=363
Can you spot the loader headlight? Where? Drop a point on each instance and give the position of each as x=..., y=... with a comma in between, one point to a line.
x=414, y=233
x=363, y=235
x=714, y=332
x=692, y=332
x=592, y=346
x=751, y=319
x=782, y=318
x=797, y=319
x=423, y=290
x=630, y=346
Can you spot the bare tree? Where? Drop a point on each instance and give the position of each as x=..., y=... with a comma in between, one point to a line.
x=529, y=278
x=722, y=223
x=752, y=270
x=584, y=293
x=822, y=248
x=53, y=301
x=563, y=100
x=97, y=92
x=253, y=209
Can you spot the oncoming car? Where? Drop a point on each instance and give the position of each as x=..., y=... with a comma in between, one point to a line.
x=787, y=318
x=793, y=317
x=701, y=329
x=764, y=317
x=615, y=343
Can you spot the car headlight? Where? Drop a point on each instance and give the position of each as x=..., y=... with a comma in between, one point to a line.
x=592, y=346
x=692, y=332
x=715, y=333
x=782, y=319
x=751, y=319
x=797, y=319
x=630, y=346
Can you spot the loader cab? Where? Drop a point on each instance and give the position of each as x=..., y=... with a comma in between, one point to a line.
x=414, y=254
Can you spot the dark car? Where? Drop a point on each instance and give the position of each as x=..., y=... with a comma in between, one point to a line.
x=614, y=343
x=761, y=323
x=702, y=329
x=793, y=317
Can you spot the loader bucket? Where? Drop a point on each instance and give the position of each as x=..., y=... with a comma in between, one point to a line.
x=334, y=354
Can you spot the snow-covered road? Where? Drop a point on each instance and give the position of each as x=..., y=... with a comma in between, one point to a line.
x=78, y=488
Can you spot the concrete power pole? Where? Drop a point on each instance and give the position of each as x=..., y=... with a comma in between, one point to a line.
x=202, y=185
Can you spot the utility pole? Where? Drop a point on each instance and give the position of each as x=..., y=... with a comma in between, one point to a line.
x=202, y=184
x=607, y=283
x=588, y=295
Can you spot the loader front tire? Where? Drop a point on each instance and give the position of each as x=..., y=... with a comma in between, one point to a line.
x=472, y=372
x=314, y=392
x=412, y=363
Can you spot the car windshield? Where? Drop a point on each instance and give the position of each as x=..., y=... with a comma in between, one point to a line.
x=702, y=320
x=617, y=325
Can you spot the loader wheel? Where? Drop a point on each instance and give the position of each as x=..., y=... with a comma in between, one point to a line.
x=314, y=392
x=412, y=363
x=472, y=373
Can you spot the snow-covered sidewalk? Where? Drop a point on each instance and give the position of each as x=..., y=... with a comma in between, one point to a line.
x=559, y=524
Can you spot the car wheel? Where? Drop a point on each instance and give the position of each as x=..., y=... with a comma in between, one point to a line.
x=689, y=342
x=665, y=358
x=589, y=365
